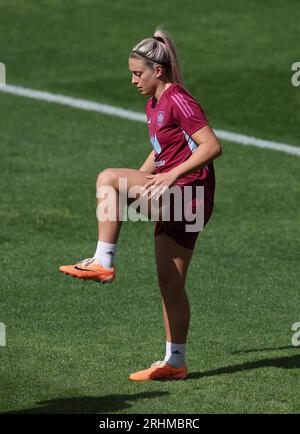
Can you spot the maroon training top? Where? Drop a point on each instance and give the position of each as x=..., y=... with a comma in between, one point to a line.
x=171, y=121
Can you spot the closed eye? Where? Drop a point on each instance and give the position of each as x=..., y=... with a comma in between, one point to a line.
x=137, y=73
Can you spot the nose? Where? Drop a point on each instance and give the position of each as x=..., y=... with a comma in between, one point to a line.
x=134, y=80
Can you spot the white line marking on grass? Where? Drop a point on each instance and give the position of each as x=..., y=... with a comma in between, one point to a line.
x=134, y=116
x=82, y=104
x=259, y=143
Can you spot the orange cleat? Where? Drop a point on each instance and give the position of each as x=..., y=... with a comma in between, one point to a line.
x=160, y=371
x=89, y=269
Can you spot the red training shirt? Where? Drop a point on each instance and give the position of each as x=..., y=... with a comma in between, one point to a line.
x=172, y=121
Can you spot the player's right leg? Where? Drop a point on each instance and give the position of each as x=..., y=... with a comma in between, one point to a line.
x=111, y=183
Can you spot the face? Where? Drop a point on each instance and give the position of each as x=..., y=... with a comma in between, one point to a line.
x=144, y=78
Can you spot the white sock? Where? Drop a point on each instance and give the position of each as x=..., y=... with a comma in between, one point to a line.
x=175, y=354
x=105, y=254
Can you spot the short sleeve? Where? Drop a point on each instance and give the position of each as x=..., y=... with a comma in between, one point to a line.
x=187, y=113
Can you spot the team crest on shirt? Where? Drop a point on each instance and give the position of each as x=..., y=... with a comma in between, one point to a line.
x=160, y=119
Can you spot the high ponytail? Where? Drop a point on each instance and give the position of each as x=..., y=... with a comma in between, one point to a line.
x=170, y=45
x=160, y=49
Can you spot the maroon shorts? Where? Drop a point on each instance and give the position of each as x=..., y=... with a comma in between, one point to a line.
x=177, y=229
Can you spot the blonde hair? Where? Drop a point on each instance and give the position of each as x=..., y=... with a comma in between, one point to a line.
x=160, y=49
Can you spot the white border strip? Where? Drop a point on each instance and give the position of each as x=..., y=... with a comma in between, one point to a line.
x=134, y=116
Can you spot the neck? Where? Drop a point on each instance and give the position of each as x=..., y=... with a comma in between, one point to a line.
x=161, y=88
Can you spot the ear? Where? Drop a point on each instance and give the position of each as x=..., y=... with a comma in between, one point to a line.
x=159, y=71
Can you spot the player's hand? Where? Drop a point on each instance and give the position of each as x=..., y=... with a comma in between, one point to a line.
x=158, y=184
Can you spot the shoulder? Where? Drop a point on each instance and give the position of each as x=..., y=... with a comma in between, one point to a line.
x=182, y=103
x=180, y=93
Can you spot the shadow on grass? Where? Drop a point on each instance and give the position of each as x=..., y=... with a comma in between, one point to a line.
x=113, y=403
x=291, y=362
x=88, y=404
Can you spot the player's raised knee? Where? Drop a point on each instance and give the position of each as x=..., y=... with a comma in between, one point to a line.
x=106, y=177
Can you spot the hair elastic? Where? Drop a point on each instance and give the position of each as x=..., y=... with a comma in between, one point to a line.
x=159, y=39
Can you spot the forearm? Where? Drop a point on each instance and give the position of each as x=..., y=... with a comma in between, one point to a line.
x=148, y=165
x=203, y=155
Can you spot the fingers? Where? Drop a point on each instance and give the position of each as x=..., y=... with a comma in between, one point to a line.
x=148, y=189
x=160, y=192
x=147, y=186
x=155, y=192
x=154, y=187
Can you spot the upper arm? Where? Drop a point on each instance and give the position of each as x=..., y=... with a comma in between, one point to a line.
x=204, y=134
x=188, y=113
x=191, y=119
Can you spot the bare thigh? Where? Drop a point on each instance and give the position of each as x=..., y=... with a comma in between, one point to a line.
x=131, y=181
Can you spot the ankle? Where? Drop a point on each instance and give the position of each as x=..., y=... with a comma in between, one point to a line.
x=105, y=254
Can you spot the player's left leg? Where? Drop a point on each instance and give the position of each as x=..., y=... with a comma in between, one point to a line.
x=172, y=261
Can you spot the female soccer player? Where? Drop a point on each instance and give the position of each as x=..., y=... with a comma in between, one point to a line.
x=184, y=146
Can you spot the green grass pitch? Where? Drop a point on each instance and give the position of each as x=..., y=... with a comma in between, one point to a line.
x=70, y=344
